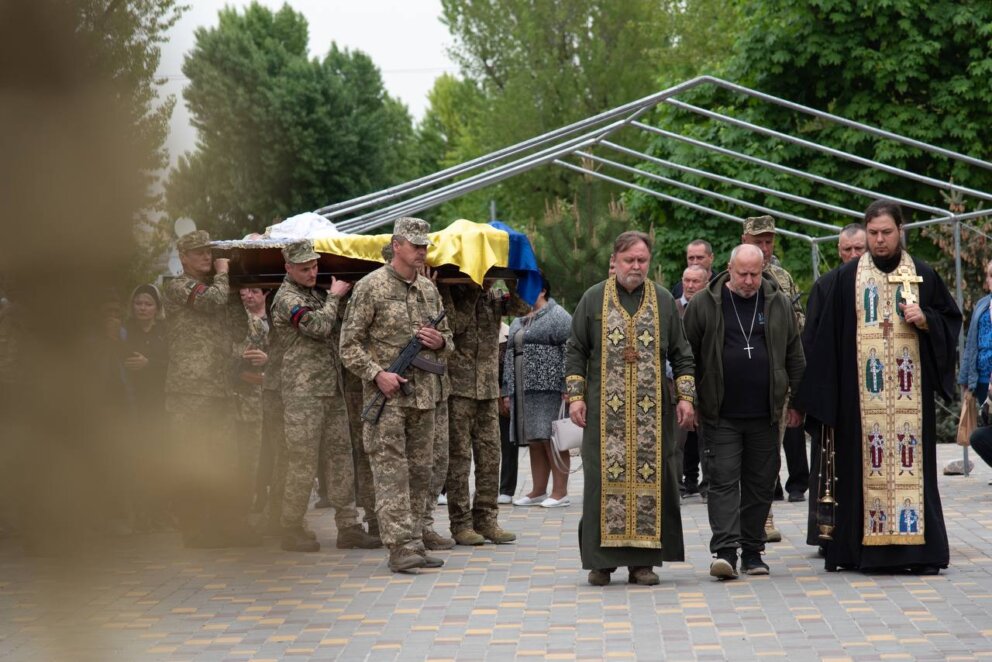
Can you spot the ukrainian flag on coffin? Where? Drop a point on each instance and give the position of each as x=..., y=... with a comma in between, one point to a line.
x=474, y=248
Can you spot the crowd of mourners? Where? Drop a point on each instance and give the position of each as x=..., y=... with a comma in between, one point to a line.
x=239, y=404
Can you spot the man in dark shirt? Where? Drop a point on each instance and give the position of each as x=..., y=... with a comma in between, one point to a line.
x=748, y=354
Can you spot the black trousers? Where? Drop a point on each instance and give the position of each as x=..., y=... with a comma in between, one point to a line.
x=509, y=454
x=743, y=459
x=981, y=443
x=693, y=459
x=796, y=460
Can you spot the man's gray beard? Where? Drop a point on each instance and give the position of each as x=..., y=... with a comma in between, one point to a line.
x=741, y=294
x=626, y=280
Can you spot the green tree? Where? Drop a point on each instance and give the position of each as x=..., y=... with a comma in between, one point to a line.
x=918, y=69
x=543, y=65
x=280, y=133
x=445, y=138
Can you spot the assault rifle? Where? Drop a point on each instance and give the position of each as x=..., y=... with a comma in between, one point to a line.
x=407, y=357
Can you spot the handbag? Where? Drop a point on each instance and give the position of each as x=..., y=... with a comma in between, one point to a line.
x=969, y=419
x=566, y=436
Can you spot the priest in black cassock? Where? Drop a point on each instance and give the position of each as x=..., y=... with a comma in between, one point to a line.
x=888, y=516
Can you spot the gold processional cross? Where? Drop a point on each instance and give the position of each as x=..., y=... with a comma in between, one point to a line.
x=905, y=277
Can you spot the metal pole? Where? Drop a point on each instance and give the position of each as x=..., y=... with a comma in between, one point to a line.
x=874, y=195
x=814, y=257
x=959, y=297
x=492, y=210
x=854, y=158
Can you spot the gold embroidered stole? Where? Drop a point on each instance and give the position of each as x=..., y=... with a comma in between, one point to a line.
x=891, y=408
x=630, y=428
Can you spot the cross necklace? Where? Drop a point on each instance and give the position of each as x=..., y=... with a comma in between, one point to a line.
x=747, y=336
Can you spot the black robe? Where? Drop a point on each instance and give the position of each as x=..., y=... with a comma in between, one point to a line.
x=814, y=309
x=829, y=393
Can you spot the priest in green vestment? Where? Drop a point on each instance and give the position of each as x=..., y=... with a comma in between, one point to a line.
x=623, y=332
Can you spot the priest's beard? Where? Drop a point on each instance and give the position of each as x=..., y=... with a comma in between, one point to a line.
x=887, y=264
x=631, y=281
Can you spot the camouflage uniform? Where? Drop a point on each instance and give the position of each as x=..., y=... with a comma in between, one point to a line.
x=439, y=459
x=198, y=399
x=304, y=320
x=384, y=313
x=473, y=407
x=253, y=334
x=364, y=490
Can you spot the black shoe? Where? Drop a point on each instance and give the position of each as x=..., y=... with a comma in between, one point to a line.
x=751, y=564
x=725, y=564
x=796, y=497
x=924, y=570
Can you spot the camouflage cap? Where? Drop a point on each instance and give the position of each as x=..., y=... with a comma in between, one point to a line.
x=194, y=239
x=413, y=230
x=387, y=252
x=299, y=252
x=759, y=225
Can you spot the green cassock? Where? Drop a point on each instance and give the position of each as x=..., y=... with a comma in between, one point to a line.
x=627, y=456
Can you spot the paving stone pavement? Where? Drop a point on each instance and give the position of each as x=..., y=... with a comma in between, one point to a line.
x=148, y=598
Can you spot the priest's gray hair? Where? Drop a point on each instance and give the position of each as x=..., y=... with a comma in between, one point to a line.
x=746, y=248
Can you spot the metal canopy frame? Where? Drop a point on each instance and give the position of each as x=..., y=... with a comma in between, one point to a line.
x=576, y=140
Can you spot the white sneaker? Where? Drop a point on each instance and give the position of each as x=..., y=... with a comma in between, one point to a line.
x=528, y=501
x=556, y=503
x=442, y=500
x=504, y=498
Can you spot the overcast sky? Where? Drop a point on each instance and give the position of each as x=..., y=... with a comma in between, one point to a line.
x=405, y=39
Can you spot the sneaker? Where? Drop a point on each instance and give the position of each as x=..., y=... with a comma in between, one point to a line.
x=434, y=541
x=599, y=577
x=498, y=535
x=751, y=564
x=725, y=565
x=530, y=501
x=556, y=503
x=771, y=533
x=442, y=500
x=354, y=537
x=295, y=539
x=402, y=559
x=468, y=537
x=643, y=575
x=430, y=561
x=322, y=502
x=504, y=499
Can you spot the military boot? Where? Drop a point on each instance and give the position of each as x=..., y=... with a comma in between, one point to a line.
x=430, y=561
x=374, y=530
x=468, y=537
x=354, y=537
x=497, y=535
x=402, y=559
x=434, y=541
x=295, y=539
x=771, y=533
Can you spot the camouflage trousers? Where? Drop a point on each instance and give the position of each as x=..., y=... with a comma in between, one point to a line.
x=400, y=450
x=271, y=476
x=439, y=465
x=248, y=432
x=203, y=458
x=364, y=488
x=473, y=431
x=310, y=422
